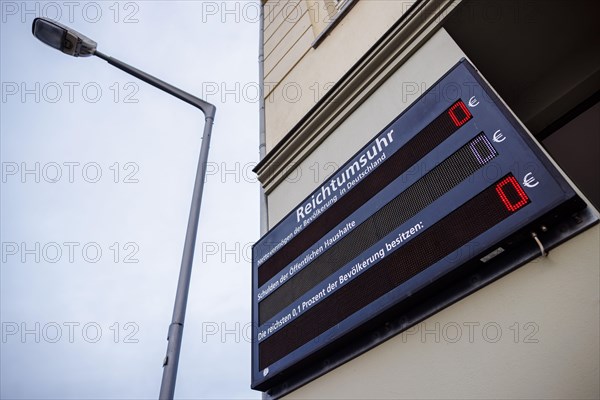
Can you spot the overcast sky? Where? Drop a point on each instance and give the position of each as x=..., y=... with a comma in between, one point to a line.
x=97, y=176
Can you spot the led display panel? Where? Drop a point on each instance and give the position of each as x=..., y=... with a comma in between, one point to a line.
x=455, y=169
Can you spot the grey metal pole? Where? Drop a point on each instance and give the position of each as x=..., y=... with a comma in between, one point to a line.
x=171, y=361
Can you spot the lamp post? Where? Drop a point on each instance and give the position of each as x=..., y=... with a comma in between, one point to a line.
x=75, y=44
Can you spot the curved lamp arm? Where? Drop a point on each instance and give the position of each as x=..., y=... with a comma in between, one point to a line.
x=73, y=43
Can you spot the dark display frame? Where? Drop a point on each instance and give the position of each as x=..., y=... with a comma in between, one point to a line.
x=550, y=209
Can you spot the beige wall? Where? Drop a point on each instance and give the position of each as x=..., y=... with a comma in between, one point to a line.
x=298, y=75
x=532, y=334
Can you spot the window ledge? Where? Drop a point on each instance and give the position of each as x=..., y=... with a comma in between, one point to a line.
x=332, y=24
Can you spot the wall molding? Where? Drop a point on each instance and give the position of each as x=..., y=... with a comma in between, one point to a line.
x=407, y=35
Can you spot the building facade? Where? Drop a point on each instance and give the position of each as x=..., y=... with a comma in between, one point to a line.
x=336, y=72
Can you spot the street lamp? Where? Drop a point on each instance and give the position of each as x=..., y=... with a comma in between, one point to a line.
x=75, y=44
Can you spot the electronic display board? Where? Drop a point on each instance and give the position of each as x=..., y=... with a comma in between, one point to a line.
x=454, y=170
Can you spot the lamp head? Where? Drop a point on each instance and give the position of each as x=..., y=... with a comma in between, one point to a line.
x=63, y=38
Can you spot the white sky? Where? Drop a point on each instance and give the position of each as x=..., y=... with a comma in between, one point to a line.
x=87, y=325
